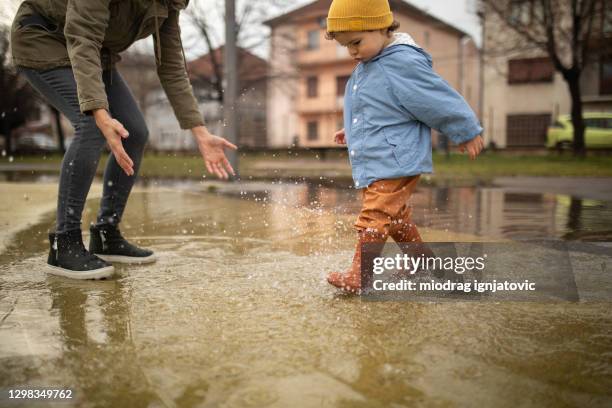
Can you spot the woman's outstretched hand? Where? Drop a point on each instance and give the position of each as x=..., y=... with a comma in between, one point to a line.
x=212, y=150
x=114, y=132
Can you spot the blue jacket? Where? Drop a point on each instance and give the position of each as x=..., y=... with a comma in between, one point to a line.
x=391, y=102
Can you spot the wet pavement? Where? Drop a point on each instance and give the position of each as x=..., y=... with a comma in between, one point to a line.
x=237, y=313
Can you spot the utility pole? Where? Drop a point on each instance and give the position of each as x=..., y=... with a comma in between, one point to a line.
x=230, y=74
x=481, y=72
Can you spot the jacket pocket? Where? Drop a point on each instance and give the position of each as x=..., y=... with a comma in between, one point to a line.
x=38, y=21
x=402, y=144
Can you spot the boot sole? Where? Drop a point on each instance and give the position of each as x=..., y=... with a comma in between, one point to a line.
x=96, y=274
x=131, y=260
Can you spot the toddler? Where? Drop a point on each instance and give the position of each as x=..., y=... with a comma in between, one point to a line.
x=392, y=101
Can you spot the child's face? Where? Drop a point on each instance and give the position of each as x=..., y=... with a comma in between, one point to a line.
x=363, y=45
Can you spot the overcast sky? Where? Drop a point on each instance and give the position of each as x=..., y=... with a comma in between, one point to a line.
x=455, y=12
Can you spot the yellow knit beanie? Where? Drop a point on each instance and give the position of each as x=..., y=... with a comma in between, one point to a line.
x=358, y=15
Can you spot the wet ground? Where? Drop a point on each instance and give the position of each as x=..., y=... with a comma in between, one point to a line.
x=237, y=312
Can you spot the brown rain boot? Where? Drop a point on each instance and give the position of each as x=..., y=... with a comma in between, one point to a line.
x=404, y=231
x=406, y=235
x=350, y=281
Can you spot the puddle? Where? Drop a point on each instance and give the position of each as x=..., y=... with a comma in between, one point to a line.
x=237, y=311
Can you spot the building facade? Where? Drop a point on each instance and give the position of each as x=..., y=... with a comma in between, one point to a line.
x=523, y=93
x=308, y=73
x=165, y=133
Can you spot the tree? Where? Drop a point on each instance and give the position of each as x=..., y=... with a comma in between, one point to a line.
x=19, y=100
x=570, y=32
x=208, y=16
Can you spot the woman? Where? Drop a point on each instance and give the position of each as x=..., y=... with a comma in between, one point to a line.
x=67, y=50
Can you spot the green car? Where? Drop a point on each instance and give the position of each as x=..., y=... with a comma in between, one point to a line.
x=598, y=131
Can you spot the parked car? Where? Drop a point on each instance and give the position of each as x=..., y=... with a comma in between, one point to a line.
x=35, y=143
x=598, y=132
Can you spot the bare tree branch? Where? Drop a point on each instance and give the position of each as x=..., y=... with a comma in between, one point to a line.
x=565, y=30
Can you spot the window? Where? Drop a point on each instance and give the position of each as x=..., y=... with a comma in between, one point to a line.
x=313, y=40
x=606, y=16
x=521, y=11
x=530, y=70
x=591, y=123
x=426, y=38
x=312, y=86
x=322, y=21
x=341, y=84
x=527, y=130
x=313, y=130
x=595, y=123
x=558, y=125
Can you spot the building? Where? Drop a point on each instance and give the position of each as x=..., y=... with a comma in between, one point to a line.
x=139, y=71
x=308, y=73
x=523, y=94
x=40, y=131
x=203, y=73
x=252, y=79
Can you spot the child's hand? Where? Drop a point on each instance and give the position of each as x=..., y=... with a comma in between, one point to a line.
x=340, y=137
x=473, y=147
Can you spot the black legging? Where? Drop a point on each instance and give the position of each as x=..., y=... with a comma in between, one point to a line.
x=80, y=162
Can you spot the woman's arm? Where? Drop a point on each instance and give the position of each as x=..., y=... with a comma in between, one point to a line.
x=173, y=77
x=173, y=74
x=85, y=28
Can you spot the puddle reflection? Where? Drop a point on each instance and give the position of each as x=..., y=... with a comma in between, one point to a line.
x=237, y=312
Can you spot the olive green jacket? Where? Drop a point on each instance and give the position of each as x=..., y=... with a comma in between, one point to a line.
x=88, y=35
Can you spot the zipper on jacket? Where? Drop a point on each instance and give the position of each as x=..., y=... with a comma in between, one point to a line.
x=158, y=57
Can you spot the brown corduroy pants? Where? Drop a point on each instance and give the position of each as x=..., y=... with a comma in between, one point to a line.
x=385, y=210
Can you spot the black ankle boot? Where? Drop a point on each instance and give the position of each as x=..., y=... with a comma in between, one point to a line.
x=69, y=258
x=107, y=242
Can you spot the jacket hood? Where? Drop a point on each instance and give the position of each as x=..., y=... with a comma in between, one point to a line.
x=403, y=38
x=399, y=43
